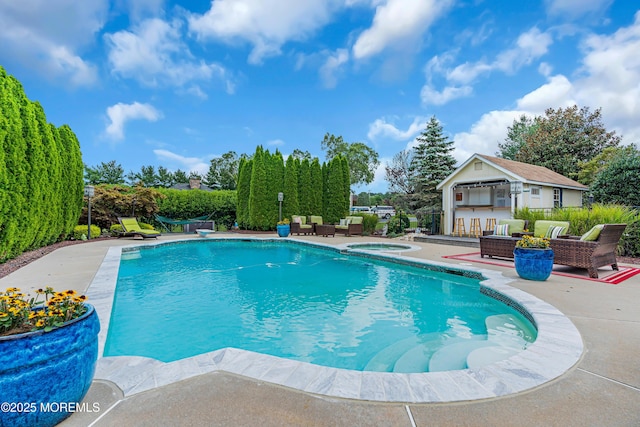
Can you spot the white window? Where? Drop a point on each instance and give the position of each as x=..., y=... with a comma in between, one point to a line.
x=535, y=191
x=557, y=198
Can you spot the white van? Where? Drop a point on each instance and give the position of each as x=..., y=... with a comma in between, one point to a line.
x=361, y=209
x=385, y=212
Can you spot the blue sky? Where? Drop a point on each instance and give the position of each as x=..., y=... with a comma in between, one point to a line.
x=175, y=83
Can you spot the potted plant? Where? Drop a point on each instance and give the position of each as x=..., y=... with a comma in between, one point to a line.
x=284, y=228
x=48, y=354
x=533, y=258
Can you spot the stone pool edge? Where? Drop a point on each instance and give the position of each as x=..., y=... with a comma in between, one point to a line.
x=556, y=350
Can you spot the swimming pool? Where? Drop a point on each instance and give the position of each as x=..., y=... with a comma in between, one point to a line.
x=557, y=349
x=384, y=247
x=305, y=303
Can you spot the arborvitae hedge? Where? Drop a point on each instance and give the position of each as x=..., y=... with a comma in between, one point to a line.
x=308, y=189
x=41, y=173
x=291, y=204
x=244, y=189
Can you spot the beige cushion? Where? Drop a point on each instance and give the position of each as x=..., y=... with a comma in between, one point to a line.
x=502, y=230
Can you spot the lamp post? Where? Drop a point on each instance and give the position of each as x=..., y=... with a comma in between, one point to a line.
x=89, y=191
x=516, y=188
x=280, y=199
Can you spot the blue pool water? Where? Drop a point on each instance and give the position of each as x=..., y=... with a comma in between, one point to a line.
x=310, y=304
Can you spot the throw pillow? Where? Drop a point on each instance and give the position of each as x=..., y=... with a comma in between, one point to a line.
x=343, y=221
x=554, y=231
x=501, y=230
x=592, y=234
x=297, y=219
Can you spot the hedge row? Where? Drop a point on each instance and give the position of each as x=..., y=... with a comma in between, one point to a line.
x=308, y=189
x=41, y=174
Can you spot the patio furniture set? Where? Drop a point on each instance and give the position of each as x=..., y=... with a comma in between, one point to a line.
x=594, y=249
x=349, y=226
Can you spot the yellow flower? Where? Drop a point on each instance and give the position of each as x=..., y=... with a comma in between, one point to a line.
x=3, y=315
x=11, y=290
x=40, y=323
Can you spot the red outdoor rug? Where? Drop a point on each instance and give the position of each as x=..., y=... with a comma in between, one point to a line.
x=606, y=274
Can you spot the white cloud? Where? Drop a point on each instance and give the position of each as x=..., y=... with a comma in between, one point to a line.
x=431, y=96
x=611, y=72
x=529, y=46
x=154, y=54
x=380, y=128
x=569, y=9
x=265, y=24
x=608, y=79
x=44, y=36
x=140, y=9
x=484, y=135
x=120, y=113
x=190, y=164
x=275, y=142
x=556, y=92
x=332, y=66
x=396, y=23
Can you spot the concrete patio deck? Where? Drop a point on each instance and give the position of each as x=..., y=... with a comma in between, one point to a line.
x=602, y=389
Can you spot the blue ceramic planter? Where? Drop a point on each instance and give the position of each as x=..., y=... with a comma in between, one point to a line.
x=44, y=375
x=283, y=230
x=533, y=264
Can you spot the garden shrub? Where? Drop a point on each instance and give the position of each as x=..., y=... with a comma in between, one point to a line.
x=83, y=230
x=220, y=205
x=398, y=223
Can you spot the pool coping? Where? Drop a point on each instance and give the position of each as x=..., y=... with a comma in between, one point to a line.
x=557, y=349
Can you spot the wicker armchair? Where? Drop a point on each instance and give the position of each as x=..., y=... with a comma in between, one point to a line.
x=589, y=254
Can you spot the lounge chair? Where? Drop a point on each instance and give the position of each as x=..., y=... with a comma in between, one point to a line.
x=130, y=227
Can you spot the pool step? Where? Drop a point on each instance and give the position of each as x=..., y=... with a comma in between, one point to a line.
x=454, y=356
x=509, y=331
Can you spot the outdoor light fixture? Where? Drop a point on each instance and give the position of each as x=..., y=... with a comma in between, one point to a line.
x=89, y=191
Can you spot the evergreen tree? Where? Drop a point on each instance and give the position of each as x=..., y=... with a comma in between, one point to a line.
x=73, y=196
x=304, y=188
x=17, y=169
x=344, y=163
x=36, y=186
x=431, y=163
x=105, y=173
x=335, y=192
x=259, y=217
x=244, y=189
x=275, y=183
x=316, y=186
x=290, y=205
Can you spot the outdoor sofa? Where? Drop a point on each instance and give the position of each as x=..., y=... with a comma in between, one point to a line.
x=502, y=246
x=350, y=225
x=594, y=249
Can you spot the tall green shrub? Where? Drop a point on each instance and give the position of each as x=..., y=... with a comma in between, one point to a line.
x=259, y=217
x=316, y=188
x=304, y=188
x=290, y=205
x=244, y=190
x=37, y=189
